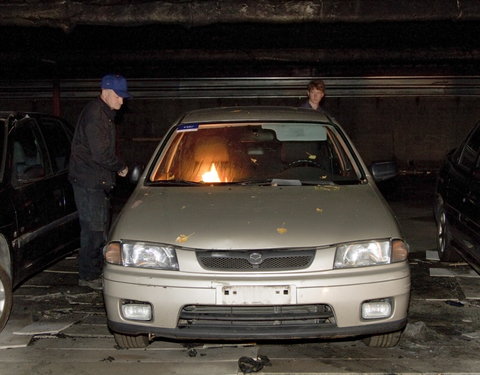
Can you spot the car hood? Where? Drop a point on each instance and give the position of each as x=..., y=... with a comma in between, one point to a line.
x=257, y=217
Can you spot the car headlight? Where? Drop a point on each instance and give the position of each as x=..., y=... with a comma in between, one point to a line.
x=142, y=254
x=370, y=253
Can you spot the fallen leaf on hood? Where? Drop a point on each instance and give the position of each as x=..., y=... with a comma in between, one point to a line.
x=311, y=156
x=183, y=238
x=319, y=210
x=282, y=230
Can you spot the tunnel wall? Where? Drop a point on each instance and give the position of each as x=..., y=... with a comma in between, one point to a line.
x=413, y=120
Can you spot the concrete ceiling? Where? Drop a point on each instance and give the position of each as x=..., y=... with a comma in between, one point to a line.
x=81, y=39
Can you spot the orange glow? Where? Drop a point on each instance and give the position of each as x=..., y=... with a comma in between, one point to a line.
x=211, y=175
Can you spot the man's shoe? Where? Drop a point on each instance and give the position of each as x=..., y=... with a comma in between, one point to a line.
x=96, y=284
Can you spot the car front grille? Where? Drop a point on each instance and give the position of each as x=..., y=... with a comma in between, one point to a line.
x=256, y=260
x=282, y=316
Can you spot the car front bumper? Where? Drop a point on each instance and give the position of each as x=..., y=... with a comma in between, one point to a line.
x=338, y=294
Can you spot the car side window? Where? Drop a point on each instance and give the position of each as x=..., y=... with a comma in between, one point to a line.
x=58, y=143
x=28, y=153
x=469, y=155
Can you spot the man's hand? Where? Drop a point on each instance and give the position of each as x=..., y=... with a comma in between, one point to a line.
x=123, y=172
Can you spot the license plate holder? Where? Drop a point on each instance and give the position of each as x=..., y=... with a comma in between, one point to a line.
x=256, y=295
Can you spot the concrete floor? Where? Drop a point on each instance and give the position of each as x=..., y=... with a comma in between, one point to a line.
x=60, y=327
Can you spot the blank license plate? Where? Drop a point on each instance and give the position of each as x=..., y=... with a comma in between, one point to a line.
x=256, y=295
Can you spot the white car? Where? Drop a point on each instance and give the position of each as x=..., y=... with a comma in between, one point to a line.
x=253, y=223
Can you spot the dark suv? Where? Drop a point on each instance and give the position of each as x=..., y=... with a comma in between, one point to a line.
x=457, y=203
x=38, y=218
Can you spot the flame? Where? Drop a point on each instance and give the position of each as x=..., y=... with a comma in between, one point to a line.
x=211, y=175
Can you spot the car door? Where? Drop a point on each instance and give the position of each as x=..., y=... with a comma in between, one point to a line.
x=38, y=202
x=454, y=179
x=470, y=216
x=58, y=136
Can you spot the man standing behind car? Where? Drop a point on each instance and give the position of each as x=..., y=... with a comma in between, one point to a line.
x=315, y=93
x=93, y=164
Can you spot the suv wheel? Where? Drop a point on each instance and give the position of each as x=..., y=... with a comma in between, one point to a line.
x=130, y=342
x=446, y=252
x=6, y=297
x=386, y=340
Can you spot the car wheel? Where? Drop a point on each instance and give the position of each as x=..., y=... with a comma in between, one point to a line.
x=386, y=340
x=446, y=251
x=6, y=297
x=130, y=342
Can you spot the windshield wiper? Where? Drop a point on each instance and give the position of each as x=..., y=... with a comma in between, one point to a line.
x=176, y=183
x=282, y=182
x=259, y=182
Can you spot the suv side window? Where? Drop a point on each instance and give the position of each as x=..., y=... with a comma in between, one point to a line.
x=58, y=143
x=28, y=153
x=469, y=155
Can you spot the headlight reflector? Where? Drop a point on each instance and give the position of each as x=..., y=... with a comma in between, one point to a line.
x=362, y=254
x=149, y=255
x=142, y=254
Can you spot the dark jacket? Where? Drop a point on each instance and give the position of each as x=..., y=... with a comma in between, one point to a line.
x=93, y=162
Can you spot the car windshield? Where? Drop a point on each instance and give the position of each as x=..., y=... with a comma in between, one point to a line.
x=255, y=153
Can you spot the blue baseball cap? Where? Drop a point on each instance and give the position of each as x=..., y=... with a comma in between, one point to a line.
x=117, y=83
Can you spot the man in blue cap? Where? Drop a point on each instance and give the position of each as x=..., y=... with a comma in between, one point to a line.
x=92, y=170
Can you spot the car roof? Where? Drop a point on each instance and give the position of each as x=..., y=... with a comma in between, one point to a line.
x=10, y=116
x=22, y=114
x=255, y=113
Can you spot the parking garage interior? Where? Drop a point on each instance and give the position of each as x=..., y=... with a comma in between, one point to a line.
x=401, y=77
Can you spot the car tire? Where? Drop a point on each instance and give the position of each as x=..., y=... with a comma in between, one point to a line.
x=386, y=340
x=446, y=252
x=130, y=342
x=6, y=297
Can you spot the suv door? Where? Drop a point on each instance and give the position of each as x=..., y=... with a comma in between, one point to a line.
x=58, y=137
x=454, y=179
x=470, y=216
x=38, y=199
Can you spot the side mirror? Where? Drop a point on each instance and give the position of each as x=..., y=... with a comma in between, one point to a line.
x=136, y=173
x=383, y=170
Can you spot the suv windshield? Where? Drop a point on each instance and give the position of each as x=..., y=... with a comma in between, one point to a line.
x=255, y=153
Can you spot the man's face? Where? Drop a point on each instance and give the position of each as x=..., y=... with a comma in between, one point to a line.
x=315, y=95
x=111, y=99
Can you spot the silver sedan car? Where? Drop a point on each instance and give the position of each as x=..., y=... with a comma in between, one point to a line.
x=256, y=223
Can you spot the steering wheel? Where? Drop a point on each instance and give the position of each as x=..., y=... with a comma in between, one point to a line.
x=304, y=163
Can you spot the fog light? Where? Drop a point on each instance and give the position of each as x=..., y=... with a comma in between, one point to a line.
x=377, y=309
x=137, y=311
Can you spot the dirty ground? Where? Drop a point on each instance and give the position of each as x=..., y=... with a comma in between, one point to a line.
x=58, y=327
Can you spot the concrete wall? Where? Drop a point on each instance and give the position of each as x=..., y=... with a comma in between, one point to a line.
x=417, y=132
x=412, y=120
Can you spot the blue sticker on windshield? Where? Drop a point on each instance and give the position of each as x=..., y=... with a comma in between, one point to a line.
x=187, y=128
